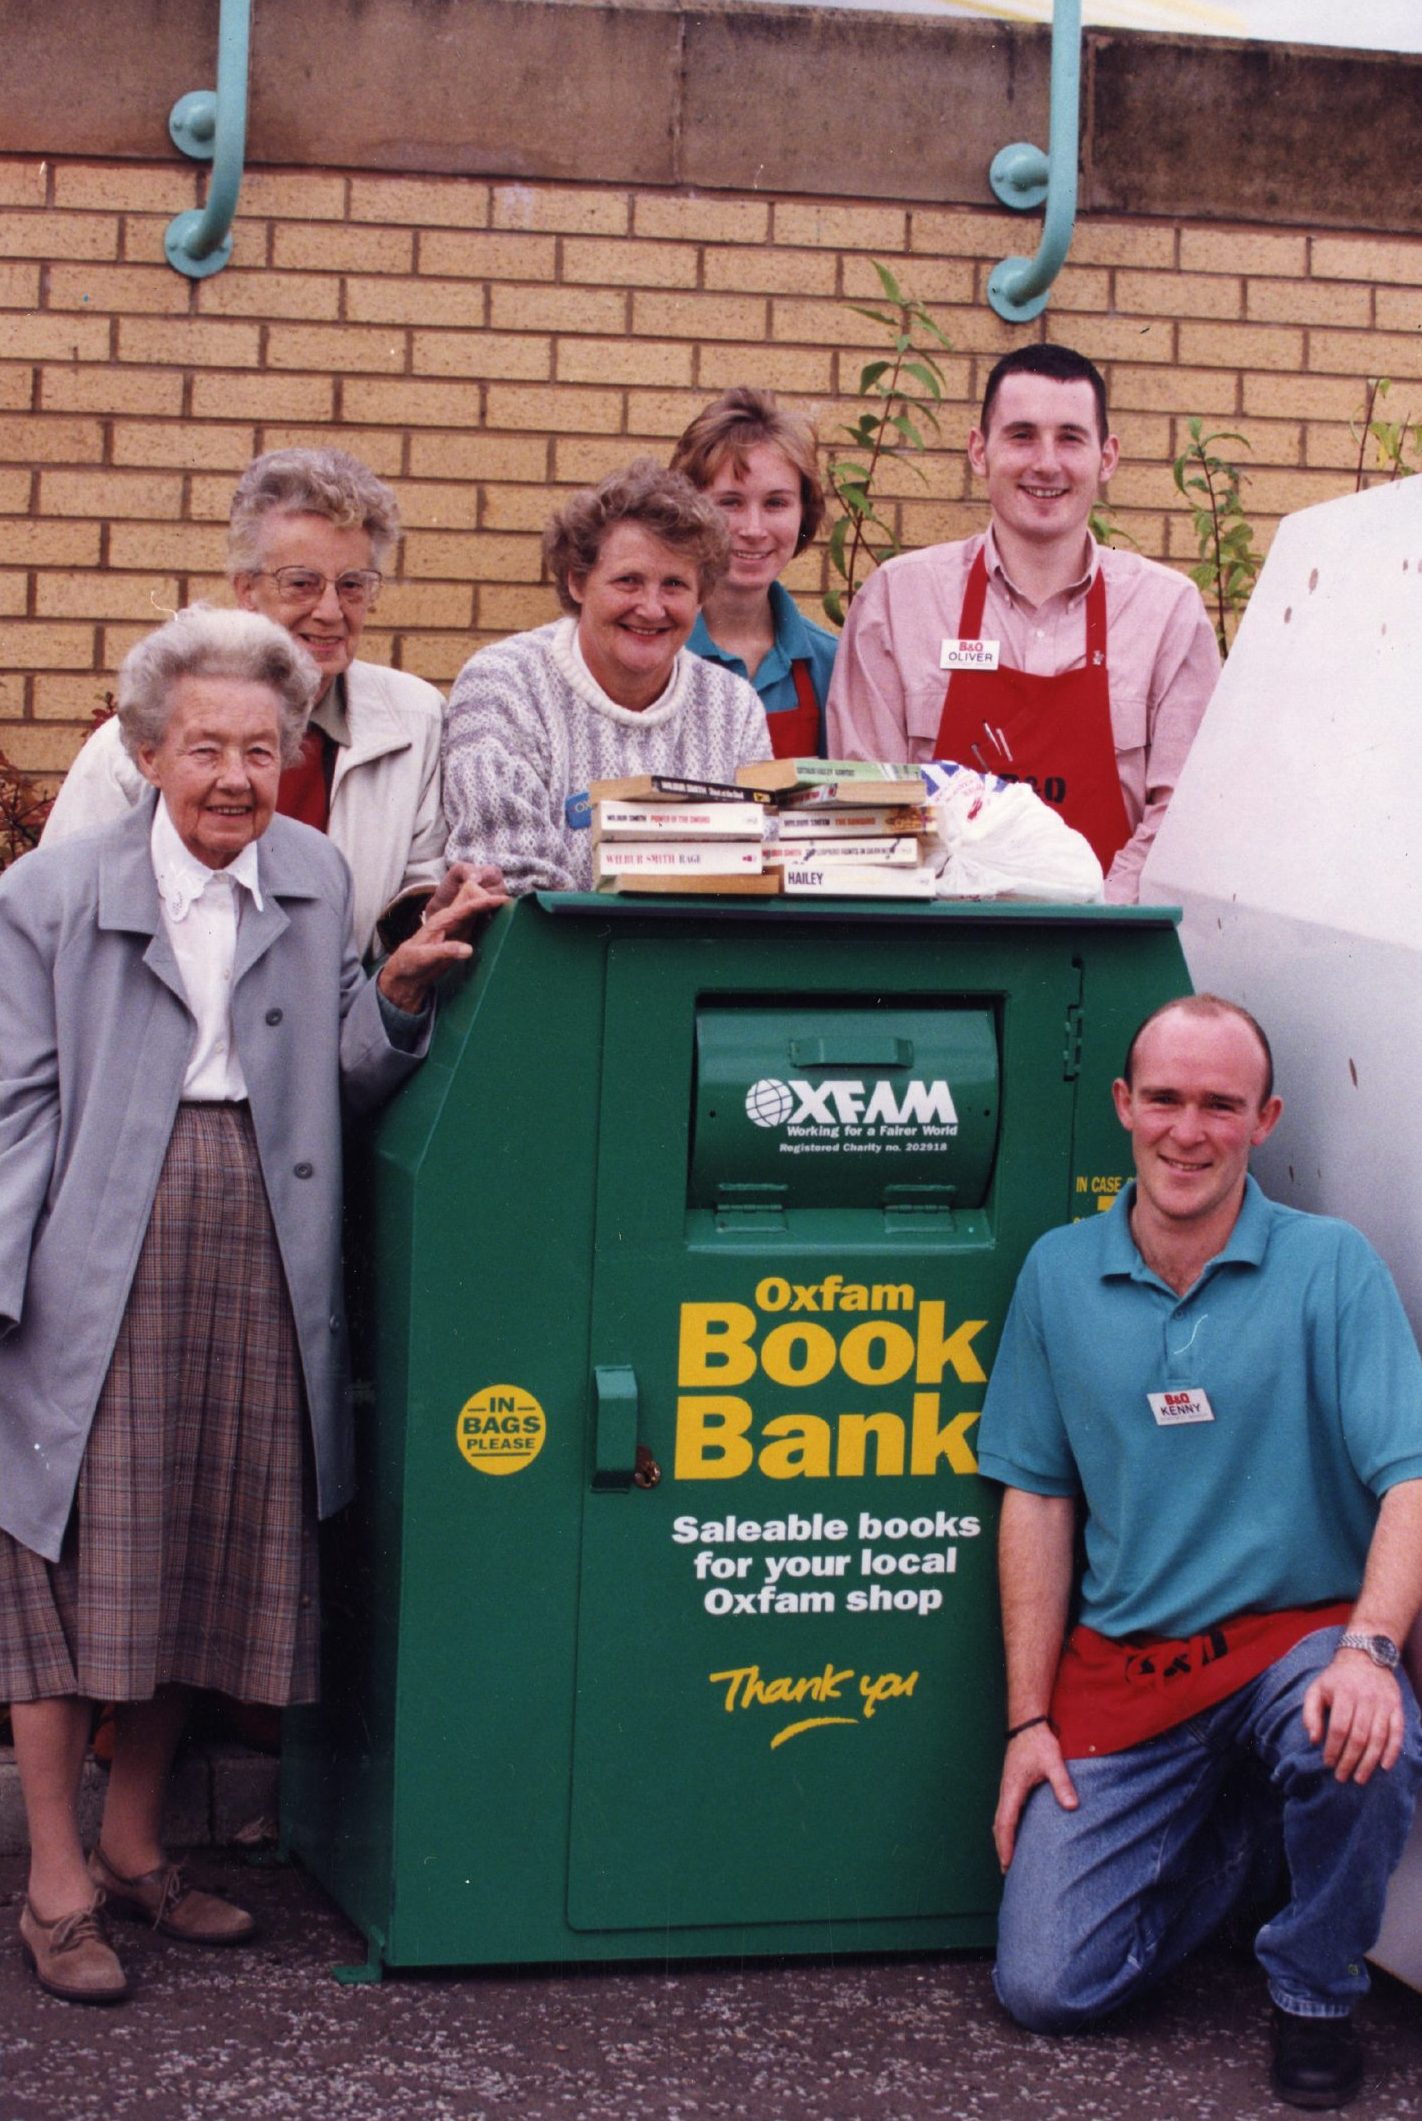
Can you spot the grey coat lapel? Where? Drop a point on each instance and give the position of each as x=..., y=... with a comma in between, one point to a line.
x=128, y=894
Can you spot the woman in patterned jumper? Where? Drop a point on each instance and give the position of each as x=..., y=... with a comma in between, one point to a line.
x=607, y=690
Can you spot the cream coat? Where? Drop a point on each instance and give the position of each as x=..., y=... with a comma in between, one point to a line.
x=386, y=814
x=94, y=1041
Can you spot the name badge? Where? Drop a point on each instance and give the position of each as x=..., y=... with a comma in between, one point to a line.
x=1171, y=1409
x=969, y=655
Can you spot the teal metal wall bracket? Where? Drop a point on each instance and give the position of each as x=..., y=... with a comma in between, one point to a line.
x=213, y=128
x=1022, y=177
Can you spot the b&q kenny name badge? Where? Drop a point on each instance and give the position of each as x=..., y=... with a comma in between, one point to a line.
x=1172, y=1408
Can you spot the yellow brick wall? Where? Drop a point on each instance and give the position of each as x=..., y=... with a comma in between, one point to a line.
x=487, y=346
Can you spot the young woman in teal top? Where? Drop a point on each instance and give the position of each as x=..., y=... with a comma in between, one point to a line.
x=757, y=462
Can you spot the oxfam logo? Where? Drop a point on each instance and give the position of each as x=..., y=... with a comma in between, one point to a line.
x=842, y=1103
x=769, y=1102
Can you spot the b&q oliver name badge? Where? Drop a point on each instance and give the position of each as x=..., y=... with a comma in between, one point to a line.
x=501, y=1429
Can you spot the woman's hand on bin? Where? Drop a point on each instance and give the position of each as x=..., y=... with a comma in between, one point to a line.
x=459, y=901
x=447, y=890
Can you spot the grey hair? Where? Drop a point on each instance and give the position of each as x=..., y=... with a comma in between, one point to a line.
x=205, y=643
x=309, y=482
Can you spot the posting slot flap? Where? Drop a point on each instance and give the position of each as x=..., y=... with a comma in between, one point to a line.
x=823, y=1106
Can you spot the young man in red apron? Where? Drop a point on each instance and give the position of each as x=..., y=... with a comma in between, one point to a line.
x=1030, y=651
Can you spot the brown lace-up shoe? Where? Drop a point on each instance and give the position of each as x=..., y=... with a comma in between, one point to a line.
x=72, y=1957
x=165, y=1898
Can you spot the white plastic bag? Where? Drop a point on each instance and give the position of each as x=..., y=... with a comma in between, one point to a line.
x=996, y=839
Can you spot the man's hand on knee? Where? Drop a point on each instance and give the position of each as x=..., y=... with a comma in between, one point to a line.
x=1033, y=1757
x=1354, y=1711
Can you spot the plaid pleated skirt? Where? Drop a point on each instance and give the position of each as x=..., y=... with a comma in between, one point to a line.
x=190, y=1553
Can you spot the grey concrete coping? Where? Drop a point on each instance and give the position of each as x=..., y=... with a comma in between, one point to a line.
x=799, y=100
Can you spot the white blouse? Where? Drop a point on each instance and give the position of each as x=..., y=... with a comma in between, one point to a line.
x=201, y=909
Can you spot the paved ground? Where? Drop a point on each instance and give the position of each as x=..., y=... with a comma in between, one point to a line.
x=265, y=2034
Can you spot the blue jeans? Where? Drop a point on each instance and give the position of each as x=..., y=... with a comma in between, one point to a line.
x=1170, y=1835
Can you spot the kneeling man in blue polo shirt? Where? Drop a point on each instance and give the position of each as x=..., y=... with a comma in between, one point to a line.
x=1224, y=1397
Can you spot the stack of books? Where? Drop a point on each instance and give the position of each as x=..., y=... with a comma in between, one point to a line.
x=826, y=828
x=661, y=832
x=846, y=828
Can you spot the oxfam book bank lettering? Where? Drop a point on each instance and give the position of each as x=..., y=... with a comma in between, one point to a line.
x=896, y=1384
x=890, y=1373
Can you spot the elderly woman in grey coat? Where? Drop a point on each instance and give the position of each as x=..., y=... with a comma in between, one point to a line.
x=184, y=1018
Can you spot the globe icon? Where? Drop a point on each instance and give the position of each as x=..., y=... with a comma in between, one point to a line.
x=769, y=1102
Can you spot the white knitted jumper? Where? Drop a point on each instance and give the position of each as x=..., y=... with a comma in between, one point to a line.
x=528, y=726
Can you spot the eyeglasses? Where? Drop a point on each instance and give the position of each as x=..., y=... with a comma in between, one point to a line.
x=305, y=585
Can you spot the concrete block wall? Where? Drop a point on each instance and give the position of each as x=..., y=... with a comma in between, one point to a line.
x=489, y=345
x=218, y=1795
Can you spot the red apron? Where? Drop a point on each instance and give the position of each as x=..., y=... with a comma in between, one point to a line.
x=1111, y=1695
x=1053, y=733
x=795, y=731
x=304, y=790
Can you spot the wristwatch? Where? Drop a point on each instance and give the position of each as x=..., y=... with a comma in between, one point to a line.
x=1381, y=1648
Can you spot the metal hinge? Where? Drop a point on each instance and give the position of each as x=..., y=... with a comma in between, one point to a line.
x=750, y=1204
x=1071, y=1043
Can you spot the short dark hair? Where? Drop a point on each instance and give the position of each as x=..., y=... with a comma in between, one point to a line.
x=1061, y=363
x=1207, y=1005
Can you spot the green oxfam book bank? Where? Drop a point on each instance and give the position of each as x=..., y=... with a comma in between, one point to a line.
x=665, y=1622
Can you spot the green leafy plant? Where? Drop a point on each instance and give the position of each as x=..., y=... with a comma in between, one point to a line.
x=903, y=391
x=25, y=805
x=1391, y=439
x=1229, y=562
x=1106, y=530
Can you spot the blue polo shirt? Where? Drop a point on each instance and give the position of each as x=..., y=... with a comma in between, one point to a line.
x=796, y=641
x=1298, y=1340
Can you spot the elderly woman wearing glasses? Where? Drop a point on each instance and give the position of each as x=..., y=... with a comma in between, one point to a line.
x=185, y=1020
x=310, y=531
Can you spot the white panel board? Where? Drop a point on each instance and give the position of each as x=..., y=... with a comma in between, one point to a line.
x=1294, y=845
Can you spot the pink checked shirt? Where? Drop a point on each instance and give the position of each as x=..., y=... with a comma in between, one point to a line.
x=886, y=695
